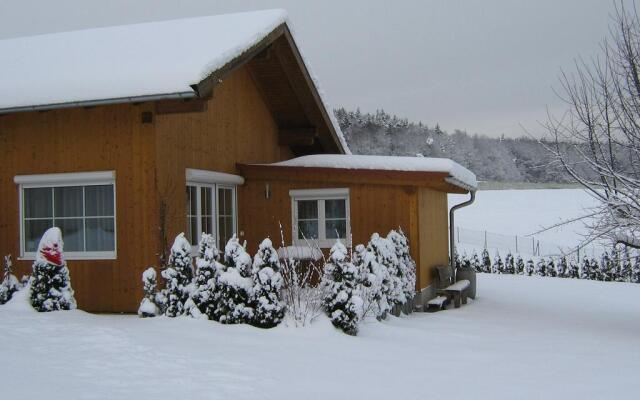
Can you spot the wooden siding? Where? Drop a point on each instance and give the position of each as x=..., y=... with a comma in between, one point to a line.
x=433, y=233
x=374, y=208
x=150, y=161
x=236, y=128
x=77, y=140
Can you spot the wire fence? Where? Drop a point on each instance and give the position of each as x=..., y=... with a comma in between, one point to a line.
x=520, y=244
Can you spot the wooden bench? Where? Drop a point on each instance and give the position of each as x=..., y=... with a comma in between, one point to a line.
x=456, y=291
x=437, y=303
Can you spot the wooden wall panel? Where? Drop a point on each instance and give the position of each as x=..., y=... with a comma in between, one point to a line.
x=374, y=208
x=236, y=128
x=433, y=233
x=77, y=140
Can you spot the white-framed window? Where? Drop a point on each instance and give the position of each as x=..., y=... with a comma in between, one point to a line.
x=211, y=206
x=82, y=205
x=320, y=216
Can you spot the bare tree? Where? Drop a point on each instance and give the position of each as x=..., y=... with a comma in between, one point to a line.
x=597, y=140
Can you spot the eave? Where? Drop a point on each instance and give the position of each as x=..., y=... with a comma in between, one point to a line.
x=440, y=181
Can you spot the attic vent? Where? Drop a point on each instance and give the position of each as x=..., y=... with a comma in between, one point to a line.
x=146, y=117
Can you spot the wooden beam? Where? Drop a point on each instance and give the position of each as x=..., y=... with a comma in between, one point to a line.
x=297, y=136
x=181, y=106
x=205, y=87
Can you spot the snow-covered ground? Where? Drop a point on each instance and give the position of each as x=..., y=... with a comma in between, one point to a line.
x=524, y=337
x=525, y=212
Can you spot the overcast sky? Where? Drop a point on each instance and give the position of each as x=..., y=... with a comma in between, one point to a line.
x=483, y=66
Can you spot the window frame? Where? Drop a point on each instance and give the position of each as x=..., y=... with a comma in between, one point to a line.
x=319, y=195
x=215, y=181
x=55, y=180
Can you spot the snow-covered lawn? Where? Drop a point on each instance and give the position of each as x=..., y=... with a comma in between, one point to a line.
x=524, y=337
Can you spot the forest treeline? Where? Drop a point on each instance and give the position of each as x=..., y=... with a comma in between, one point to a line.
x=502, y=159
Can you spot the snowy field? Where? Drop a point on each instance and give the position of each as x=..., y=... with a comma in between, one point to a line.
x=524, y=337
x=525, y=212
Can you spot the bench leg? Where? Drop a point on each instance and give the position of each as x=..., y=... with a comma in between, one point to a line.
x=456, y=300
x=464, y=298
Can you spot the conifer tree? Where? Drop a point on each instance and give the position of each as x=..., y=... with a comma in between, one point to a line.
x=594, y=270
x=234, y=286
x=50, y=284
x=486, y=262
x=551, y=268
x=562, y=268
x=529, y=268
x=267, y=284
x=585, y=268
x=9, y=284
x=498, y=265
x=386, y=260
x=475, y=262
x=624, y=273
x=541, y=267
x=635, y=270
x=178, y=277
x=406, y=266
x=573, y=269
x=606, y=268
x=148, y=306
x=341, y=302
x=509, y=264
x=519, y=265
x=375, y=277
x=203, y=296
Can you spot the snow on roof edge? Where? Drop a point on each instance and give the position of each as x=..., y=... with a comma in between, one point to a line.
x=458, y=175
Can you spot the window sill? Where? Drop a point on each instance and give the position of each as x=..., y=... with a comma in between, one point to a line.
x=322, y=244
x=75, y=256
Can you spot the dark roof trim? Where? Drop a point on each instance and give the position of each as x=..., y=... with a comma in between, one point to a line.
x=100, y=102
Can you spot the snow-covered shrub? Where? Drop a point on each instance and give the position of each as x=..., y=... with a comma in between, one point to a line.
x=301, y=295
x=9, y=284
x=551, y=268
x=529, y=268
x=519, y=267
x=234, y=286
x=573, y=270
x=50, y=284
x=267, y=285
x=148, y=306
x=202, y=302
x=377, y=262
x=585, y=268
x=541, y=267
x=498, y=265
x=178, y=277
x=509, y=264
x=475, y=262
x=605, y=272
x=486, y=261
x=635, y=271
x=407, y=266
x=594, y=269
x=624, y=269
x=341, y=302
x=562, y=268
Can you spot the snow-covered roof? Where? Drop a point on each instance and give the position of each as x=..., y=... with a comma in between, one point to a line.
x=458, y=175
x=129, y=62
x=144, y=59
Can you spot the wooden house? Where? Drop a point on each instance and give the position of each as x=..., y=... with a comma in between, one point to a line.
x=126, y=136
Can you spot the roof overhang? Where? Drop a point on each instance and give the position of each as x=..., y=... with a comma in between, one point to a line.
x=283, y=79
x=441, y=181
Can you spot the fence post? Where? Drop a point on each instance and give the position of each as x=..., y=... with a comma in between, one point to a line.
x=458, y=234
x=485, y=239
x=516, y=243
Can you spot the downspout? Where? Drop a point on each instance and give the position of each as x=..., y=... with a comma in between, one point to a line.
x=452, y=246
